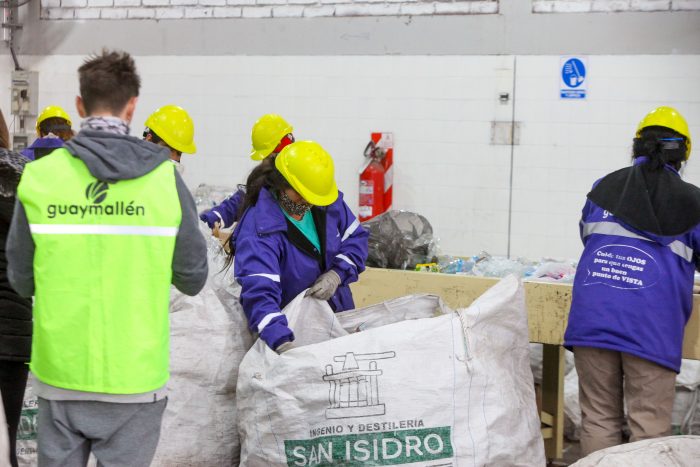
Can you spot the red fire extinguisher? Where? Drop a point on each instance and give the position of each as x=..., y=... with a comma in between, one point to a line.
x=372, y=183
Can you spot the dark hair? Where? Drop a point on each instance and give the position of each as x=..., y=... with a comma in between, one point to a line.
x=155, y=139
x=650, y=144
x=264, y=175
x=108, y=81
x=58, y=126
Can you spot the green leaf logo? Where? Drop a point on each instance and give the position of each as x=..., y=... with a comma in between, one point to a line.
x=96, y=191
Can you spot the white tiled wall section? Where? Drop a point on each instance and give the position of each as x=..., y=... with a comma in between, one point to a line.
x=440, y=110
x=606, y=6
x=193, y=9
x=567, y=145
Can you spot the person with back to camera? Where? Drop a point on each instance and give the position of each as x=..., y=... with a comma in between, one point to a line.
x=101, y=229
x=632, y=294
x=53, y=128
x=172, y=127
x=296, y=232
x=15, y=310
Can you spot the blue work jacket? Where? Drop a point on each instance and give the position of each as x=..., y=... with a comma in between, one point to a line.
x=633, y=290
x=46, y=145
x=274, y=262
x=226, y=213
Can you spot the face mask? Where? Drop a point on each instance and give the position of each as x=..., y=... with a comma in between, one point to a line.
x=294, y=209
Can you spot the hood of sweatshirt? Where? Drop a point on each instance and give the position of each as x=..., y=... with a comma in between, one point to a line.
x=111, y=157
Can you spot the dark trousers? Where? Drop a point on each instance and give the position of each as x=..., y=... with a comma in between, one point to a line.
x=13, y=380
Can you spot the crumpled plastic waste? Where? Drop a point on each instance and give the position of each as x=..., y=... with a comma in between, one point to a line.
x=400, y=240
x=500, y=266
x=208, y=196
x=486, y=265
x=455, y=265
x=555, y=271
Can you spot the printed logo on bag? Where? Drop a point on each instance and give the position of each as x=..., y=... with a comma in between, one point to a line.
x=354, y=393
x=96, y=193
x=354, y=390
x=383, y=448
x=27, y=427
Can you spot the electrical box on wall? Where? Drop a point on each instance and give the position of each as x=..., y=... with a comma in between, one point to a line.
x=25, y=93
x=6, y=21
x=21, y=140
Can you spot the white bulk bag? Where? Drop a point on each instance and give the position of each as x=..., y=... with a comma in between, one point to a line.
x=208, y=339
x=672, y=451
x=406, y=382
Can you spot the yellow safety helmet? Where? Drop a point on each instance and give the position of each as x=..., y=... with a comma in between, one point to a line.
x=267, y=133
x=52, y=111
x=309, y=170
x=174, y=126
x=667, y=117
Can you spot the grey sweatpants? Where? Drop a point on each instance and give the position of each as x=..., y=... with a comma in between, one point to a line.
x=119, y=435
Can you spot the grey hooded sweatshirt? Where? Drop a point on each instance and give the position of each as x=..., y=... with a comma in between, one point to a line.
x=110, y=158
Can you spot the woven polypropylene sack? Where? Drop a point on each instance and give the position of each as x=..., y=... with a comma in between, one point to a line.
x=405, y=382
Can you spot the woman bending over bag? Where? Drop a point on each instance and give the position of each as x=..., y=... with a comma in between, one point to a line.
x=296, y=233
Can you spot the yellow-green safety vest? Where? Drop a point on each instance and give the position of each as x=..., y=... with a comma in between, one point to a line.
x=102, y=272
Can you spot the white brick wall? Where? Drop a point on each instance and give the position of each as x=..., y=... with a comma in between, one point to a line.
x=177, y=9
x=595, y=6
x=566, y=146
x=440, y=109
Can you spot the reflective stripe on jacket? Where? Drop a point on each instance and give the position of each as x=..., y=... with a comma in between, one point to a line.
x=102, y=270
x=633, y=290
x=273, y=265
x=227, y=210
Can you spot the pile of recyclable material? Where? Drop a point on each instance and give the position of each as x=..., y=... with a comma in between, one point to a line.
x=486, y=265
x=672, y=451
x=208, y=196
x=405, y=240
x=399, y=240
x=208, y=338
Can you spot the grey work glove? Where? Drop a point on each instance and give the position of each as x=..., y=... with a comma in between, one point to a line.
x=325, y=286
x=283, y=347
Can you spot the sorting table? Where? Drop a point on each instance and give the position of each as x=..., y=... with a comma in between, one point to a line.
x=547, y=307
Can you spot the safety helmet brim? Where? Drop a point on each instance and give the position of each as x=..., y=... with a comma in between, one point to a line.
x=324, y=193
x=180, y=139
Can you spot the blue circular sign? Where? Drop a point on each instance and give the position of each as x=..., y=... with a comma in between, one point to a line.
x=573, y=73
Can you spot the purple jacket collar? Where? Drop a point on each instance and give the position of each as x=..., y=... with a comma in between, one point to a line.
x=42, y=143
x=271, y=218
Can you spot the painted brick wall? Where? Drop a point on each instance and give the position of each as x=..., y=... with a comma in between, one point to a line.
x=606, y=6
x=195, y=9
